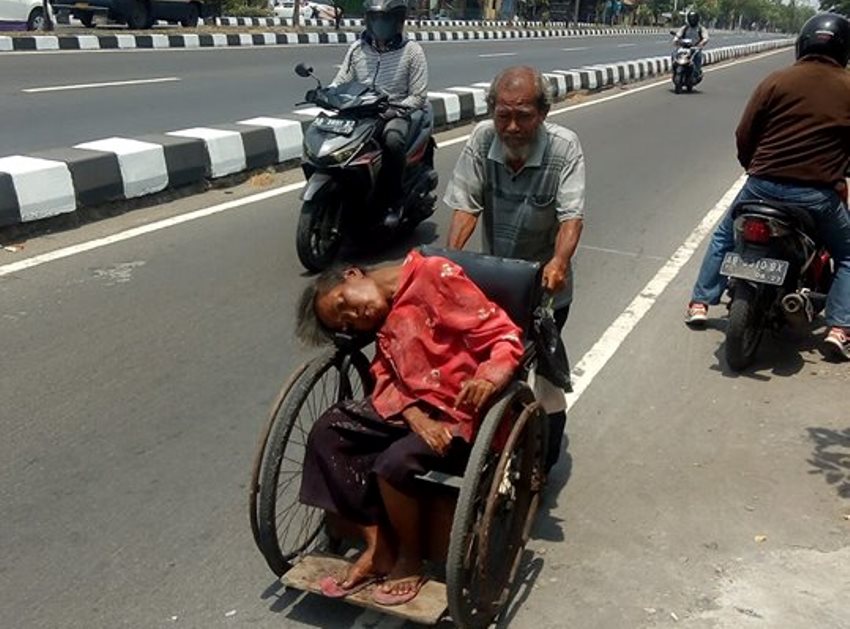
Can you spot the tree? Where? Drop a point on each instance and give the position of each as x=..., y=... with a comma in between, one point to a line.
x=836, y=6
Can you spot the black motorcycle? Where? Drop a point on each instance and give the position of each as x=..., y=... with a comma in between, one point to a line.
x=685, y=76
x=779, y=273
x=342, y=160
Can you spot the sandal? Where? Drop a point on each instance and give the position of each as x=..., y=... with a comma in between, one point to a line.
x=332, y=589
x=387, y=599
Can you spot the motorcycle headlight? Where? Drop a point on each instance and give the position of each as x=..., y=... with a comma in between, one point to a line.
x=343, y=155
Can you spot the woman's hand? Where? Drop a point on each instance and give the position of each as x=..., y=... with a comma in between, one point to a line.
x=475, y=394
x=435, y=433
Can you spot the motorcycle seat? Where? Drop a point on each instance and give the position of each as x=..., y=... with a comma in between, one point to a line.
x=789, y=213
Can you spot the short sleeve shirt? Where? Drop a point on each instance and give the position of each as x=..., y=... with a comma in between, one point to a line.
x=521, y=211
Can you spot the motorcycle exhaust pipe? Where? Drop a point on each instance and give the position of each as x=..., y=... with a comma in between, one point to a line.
x=793, y=303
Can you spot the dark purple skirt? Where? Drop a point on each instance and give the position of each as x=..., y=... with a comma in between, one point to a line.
x=351, y=445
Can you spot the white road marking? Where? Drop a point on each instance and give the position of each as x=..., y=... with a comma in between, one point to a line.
x=595, y=359
x=626, y=45
x=576, y=49
x=498, y=54
x=67, y=252
x=86, y=86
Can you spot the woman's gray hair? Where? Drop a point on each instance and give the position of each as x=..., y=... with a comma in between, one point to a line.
x=545, y=95
x=308, y=328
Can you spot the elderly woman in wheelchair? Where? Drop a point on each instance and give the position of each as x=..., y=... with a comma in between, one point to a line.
x=434, y=451
x=442, y=350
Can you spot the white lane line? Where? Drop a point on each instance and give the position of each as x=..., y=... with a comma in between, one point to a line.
x=576, y=49
x=595, y=359
x=135, y=232
x=498, y=54
x=626, y=45
x=66, y=252
x=86, y=86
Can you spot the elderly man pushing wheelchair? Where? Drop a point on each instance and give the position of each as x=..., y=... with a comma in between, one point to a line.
x=524, y=178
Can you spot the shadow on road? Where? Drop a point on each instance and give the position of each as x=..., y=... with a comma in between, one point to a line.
x=831, y=457
x=783, y=353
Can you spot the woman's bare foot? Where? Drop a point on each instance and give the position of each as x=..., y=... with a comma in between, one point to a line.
x=369, y=566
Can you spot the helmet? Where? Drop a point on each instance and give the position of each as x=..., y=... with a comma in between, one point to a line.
x=825, y=34
x=692, y=18
x=385, y=18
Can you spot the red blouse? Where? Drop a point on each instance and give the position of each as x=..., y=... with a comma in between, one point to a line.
x=440, y=332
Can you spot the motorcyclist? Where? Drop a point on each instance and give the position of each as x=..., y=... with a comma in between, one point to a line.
x=384, y=58
x=794, y=141
x=693, y=31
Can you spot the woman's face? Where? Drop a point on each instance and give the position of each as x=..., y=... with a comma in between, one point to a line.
x=354, y=305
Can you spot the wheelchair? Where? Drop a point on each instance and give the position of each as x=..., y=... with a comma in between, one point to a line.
x=477, y=525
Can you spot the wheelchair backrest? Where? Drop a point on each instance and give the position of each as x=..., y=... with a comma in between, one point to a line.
x=514, y=285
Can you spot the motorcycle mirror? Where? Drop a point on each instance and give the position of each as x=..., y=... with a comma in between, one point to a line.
x=303, y=71
x=673, y=33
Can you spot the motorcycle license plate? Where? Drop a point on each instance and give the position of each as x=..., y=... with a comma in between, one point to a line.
x=761, y=270
x=335, y=125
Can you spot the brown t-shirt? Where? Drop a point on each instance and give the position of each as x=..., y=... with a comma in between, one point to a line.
x=797, y=124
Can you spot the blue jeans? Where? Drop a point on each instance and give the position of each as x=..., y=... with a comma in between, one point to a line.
x=833, y=223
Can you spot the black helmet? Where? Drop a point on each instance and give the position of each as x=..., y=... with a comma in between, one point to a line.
x=385, y=18
x=692, y=18
x=825, y=34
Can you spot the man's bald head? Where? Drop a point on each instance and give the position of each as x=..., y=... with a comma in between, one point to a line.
x=523, y=82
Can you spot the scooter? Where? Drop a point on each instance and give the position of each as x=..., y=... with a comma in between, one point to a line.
x=685, y=76
x=342, y=161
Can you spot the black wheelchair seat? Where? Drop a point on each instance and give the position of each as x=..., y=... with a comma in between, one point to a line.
x=514, y=285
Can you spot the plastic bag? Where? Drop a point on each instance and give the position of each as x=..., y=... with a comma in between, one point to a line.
x=552, y=361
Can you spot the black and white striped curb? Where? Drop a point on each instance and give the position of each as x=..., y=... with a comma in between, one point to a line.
x=118, y=41
x=60, y=181
x=349, y=23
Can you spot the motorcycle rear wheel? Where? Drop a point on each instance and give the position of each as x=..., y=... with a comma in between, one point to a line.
x=319, y=236
x=744, y=330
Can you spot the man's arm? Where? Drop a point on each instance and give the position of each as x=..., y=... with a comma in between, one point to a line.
x=703, y=37
x=571, y=191
x=417, y=79
x=557, y=270
x=346, y=70
x=750, y=127
x=463, y=224
x=465, y=192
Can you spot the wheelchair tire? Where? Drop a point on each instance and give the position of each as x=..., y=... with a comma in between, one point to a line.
x=499, y=488
x=282, y=536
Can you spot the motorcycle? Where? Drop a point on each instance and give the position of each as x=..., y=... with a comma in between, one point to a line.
x=778, y=274
x=684, y=71
x=342, y=161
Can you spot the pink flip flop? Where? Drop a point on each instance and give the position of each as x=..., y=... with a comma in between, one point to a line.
x=392, y=600
x=332, y=589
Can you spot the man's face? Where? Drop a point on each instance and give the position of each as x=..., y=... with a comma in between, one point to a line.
x=517, y=116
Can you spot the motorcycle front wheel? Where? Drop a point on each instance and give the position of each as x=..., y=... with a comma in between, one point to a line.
x=744, y=330
x=319, y=235
x=678, y=79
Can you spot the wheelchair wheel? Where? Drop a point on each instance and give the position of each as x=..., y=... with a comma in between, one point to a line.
x=495, y=509
x=285, y=528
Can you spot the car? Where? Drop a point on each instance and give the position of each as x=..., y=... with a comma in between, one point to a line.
x=136, y=14
x=17, y=15
x=309, y=8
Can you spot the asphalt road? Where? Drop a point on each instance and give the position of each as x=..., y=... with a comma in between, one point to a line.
x=136, y=376
x=226, y=85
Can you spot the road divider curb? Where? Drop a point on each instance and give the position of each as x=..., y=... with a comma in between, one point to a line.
x=61, y=181
x=33, y=43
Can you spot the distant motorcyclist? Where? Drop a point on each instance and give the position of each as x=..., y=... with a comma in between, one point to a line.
x=384, y=58
x=695, y=32
x=794, y=141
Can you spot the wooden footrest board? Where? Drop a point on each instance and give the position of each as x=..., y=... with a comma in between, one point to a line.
x=427, y=608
